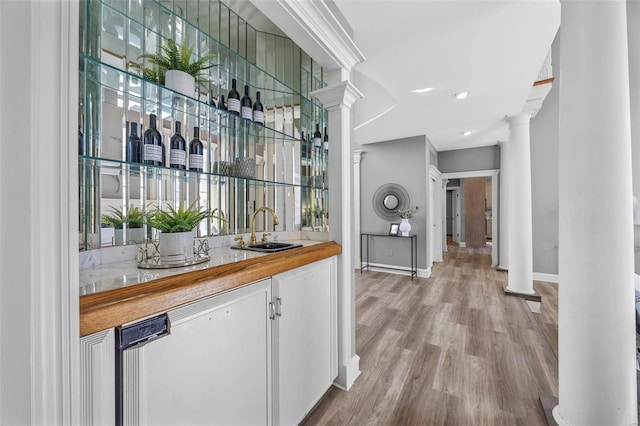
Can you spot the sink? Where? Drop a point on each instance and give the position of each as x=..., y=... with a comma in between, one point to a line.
x=269, y=247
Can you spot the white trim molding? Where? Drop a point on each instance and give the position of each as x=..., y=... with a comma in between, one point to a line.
x=397, y=270
x=39, y=303
x=315, y=28
x=550, y=278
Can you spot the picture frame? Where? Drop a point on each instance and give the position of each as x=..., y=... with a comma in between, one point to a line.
x=394, y=228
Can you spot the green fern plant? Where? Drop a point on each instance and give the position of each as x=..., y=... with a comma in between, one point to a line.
x=133, y=218
x=173, y=57
x=171, y=220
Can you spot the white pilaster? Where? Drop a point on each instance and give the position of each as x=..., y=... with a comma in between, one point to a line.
x=39, y=374
x=503, y=217
x=520, y=234
x=357, y=158
x=597, y=377
x=337, y=100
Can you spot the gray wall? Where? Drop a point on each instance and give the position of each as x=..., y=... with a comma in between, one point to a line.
x=404, y=162
x=472, y=159
x=544, y=175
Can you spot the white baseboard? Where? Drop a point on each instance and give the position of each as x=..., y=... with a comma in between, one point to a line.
x=399, y=270
x=551, y=278
x=348, y=373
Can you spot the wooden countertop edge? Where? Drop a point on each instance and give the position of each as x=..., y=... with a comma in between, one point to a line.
x=104, y=310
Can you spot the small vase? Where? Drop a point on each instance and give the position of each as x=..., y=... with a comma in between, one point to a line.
x=176, y=244
x=405, y=228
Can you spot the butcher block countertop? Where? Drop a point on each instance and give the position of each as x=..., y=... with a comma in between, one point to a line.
x=122, y=293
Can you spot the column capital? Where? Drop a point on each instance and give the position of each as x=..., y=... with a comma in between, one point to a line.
x=343, y=94
x=357, y=156
x=520, y=119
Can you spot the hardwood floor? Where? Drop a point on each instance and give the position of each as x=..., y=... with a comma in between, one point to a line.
x=448, y=350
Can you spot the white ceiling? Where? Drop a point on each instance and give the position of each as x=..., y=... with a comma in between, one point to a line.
x=493, y=49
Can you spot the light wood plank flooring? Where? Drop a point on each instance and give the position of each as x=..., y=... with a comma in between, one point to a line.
x=448, y=350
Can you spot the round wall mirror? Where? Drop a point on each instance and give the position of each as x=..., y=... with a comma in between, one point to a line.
x=390, y=202
x=389, y=198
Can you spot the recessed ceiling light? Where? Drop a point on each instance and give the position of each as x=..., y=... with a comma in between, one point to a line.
x=466, y=133
x=462, y=95
x=425, y=90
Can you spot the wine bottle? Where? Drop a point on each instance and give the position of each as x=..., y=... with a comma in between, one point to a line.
x=153, y=146
x=258, y=110
x=326, y=139
x=317, y=137
x=80, y=141
x=245, y=105
x=233, y=99
x=221, y=104
x=195, y=152
x=178, y=150
x=133, y=145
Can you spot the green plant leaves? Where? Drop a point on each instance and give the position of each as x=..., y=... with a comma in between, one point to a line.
x=173, y=57
x=133, y=218
x=172, y=220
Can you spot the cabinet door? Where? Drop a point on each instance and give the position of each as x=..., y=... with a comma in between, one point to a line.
x=213, y=367
x=97, y=379
x=305, y=346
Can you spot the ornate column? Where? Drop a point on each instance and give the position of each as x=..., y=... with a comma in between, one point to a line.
x=520, y=234
x=503, y=233
x=337, y=99
x=597, y=377
x=357, y=158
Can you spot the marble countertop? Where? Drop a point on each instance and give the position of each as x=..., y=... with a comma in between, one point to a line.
x=123, y=273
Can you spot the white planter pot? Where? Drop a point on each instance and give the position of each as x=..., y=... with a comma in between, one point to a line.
x=405, y=227
x=135, y=236
x=176, y=244
x=117, y=234
x=180, y=82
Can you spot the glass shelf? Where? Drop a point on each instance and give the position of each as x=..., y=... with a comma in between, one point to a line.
x=111, y=167
x=145, y=96
x=125, y=37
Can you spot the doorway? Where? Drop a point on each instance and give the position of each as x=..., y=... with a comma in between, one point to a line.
x=484, y=221
x=453, y=214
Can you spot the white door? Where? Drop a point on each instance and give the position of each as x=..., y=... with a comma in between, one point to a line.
x=304, y=360
x=212, y=369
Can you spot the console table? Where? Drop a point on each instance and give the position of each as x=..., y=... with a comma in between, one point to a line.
x=413, y=242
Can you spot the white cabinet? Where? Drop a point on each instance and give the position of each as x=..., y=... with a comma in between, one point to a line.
x=97, y=365
x=304, y=339
x=213, y=367
x=262, y=354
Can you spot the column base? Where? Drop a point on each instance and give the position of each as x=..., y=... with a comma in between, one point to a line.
x=502, y=268
x=348, y=373
x=548, y=402
x=535, y=297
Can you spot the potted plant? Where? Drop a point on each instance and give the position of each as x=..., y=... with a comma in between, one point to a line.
x=173, y=68
x=176, y=228
x=405, y=226
x=132, y=220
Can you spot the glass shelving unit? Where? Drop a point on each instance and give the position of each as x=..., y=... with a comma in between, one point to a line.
x=247, y=165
